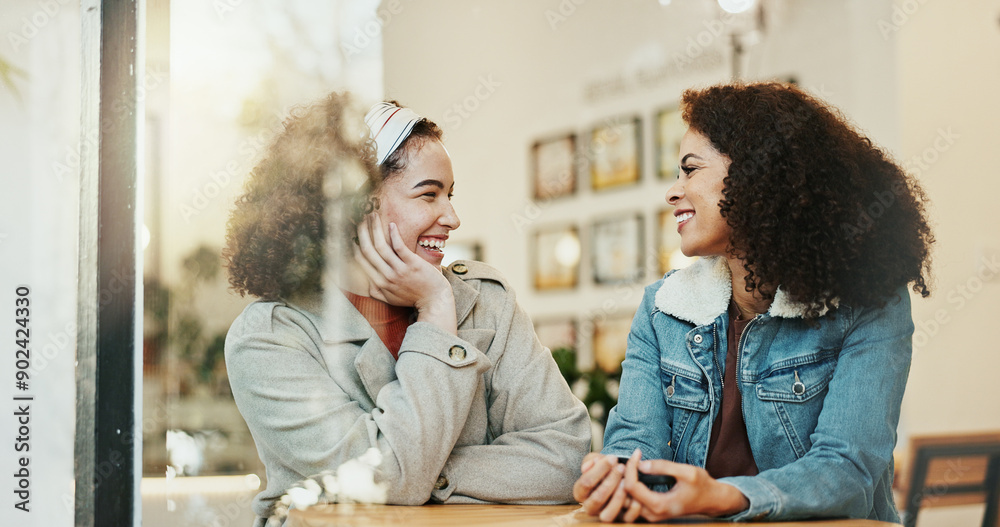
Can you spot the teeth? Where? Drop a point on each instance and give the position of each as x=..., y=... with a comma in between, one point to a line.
x=684, y=217
x=432, y=243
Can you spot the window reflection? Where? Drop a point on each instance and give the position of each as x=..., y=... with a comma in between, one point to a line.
x=220, y=78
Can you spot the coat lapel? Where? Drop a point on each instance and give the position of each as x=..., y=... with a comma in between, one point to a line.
x=340, y=324
x=465, y=296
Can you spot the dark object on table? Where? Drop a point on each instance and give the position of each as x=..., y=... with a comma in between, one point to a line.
x=652, y=479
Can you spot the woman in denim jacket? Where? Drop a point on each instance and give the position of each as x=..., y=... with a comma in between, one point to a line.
x=767, y=376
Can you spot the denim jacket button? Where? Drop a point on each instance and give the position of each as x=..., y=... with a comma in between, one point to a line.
x=698, y=339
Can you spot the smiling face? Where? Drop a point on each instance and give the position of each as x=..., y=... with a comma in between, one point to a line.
x=696, y=195
x=418, y=200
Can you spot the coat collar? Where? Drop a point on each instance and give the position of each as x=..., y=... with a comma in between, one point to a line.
x=700, y=293
x=338, y=322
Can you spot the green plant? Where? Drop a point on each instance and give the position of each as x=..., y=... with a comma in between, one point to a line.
x=597, y=388
x=8, y=72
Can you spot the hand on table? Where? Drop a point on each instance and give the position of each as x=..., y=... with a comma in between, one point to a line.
x=399, y=277
x=696, y=492
x=601, y=487
x=612, y=491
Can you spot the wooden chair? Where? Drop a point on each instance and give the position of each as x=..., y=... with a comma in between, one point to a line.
x=951, y=469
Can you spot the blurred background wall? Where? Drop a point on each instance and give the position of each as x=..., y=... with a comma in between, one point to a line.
x=550, y=73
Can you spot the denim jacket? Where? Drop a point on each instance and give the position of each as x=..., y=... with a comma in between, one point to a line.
x=821, y=405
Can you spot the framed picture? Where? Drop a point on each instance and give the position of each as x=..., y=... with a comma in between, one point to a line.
x=553, y=169
x=472, y=250
x=615, y=149
x=617, y=249
x=555, y=333
x=611, y=340
x=556, y=258
x=670, y=130
x=668, y=243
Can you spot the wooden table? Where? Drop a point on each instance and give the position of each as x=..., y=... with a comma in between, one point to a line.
x=345, y=515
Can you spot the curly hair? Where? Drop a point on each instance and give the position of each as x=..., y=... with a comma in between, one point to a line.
x=274, y=238
x=275, y=235
x=814, y=206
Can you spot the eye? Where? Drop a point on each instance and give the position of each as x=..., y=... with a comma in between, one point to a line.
x=687, y=169
x=431, y=195
x=451, y=195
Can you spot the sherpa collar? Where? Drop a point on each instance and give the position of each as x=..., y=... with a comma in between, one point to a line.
x=701, y=292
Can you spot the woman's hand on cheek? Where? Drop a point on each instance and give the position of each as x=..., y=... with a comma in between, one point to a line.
x=399, y=277
x=694, y=493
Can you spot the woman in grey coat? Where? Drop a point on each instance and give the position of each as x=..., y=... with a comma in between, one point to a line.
x=438, y=369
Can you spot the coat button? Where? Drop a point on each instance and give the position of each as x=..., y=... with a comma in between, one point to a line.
x=698, y=339
x=456, y=353
x=459, y=268
x=441, y=483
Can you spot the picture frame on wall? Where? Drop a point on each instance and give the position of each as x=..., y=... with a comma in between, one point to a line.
x=553, y=167
x=610, y=340
x=556, y=332
x=670, y=130
x=616, y=154
x=556, y=258
x=668, y=243
x=617, y=248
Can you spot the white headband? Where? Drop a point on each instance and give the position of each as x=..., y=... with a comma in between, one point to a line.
x=389, y=125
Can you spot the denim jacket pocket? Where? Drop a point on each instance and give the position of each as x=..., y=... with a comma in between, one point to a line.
x=798, y=379
x=795, y=389
x=683, y=389
x=688, y=402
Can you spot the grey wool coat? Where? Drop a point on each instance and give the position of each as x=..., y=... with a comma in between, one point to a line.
x=481, y=417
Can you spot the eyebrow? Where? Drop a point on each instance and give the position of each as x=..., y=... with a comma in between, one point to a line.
x=685, y=158
x=429, y=183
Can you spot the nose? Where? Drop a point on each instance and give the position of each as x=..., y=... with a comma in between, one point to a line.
x=449, y=218
x=675, y=192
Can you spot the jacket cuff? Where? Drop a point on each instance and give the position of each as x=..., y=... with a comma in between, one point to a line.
x=430, y=340
x=443, y=487
x=762, y=496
